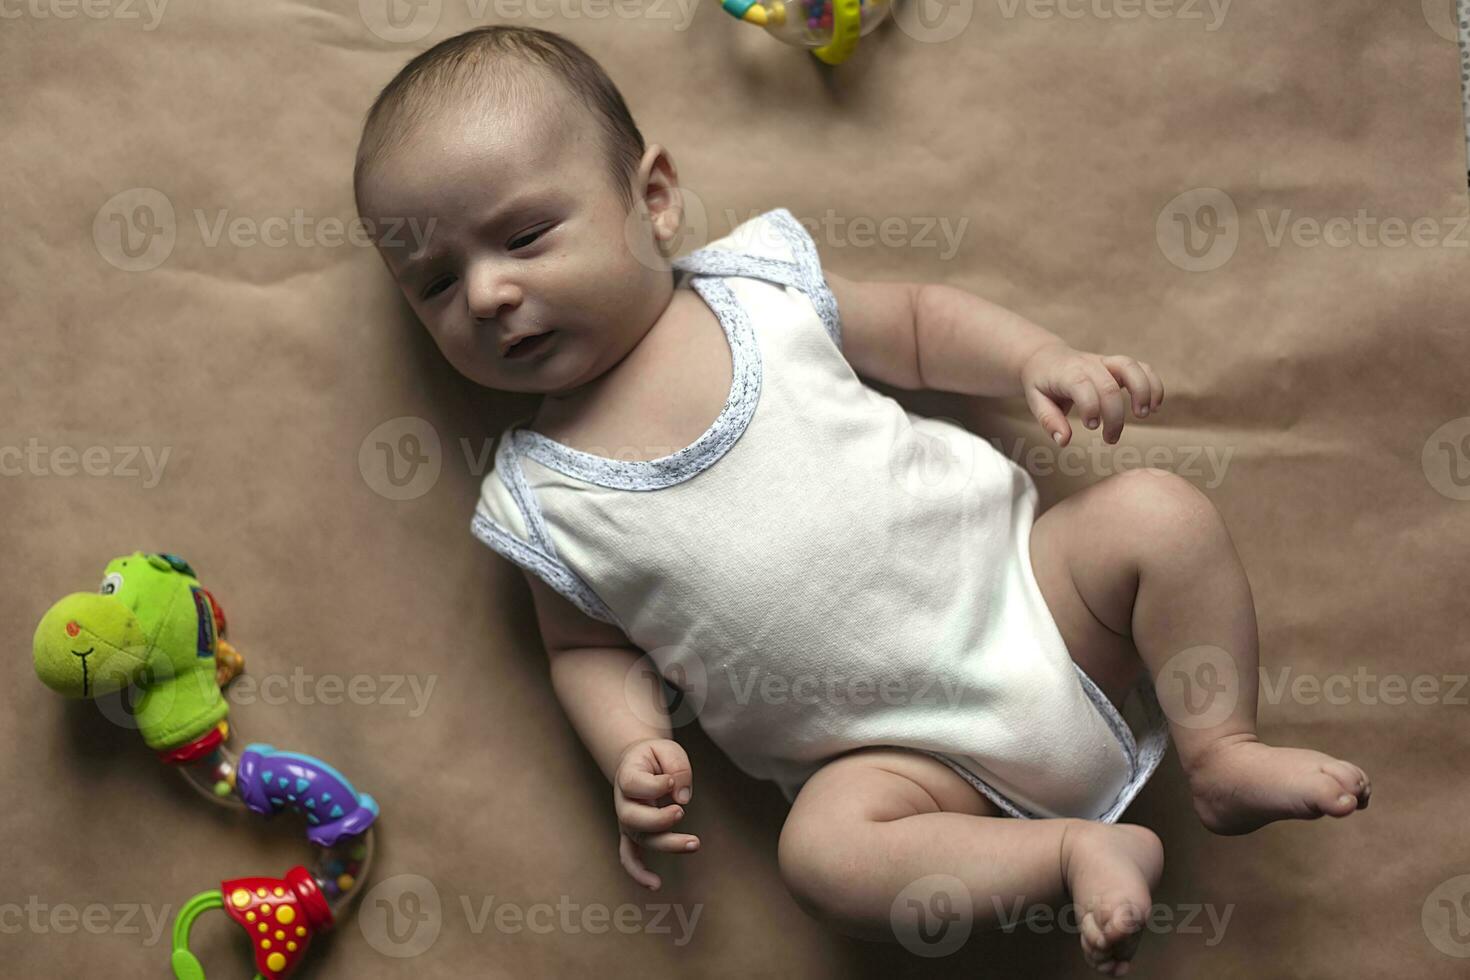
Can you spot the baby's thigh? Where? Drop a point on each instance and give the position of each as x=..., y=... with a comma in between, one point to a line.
x=883, y=783
x=870, y=785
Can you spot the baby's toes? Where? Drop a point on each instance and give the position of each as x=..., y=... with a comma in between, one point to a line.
x=1111, y=932
x=1348, y=782
x=1351, y=781
x=1094, y=944
x=1324, y=793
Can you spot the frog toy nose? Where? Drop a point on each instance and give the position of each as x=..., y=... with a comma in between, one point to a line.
x=72, y=629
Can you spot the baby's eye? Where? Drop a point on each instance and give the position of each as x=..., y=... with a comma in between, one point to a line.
x=527, y=238
x=111, y=583
x=436, y=287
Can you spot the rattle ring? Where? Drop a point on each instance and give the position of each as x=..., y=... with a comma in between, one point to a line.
x=153, y=626
x=830, y=29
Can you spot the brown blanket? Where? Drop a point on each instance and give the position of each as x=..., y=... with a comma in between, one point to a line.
x=1265, y=199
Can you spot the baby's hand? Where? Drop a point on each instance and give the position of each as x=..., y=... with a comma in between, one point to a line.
x=1057, y=377
x=649, y=771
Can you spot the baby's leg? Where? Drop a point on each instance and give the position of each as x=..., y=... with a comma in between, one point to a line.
x=1144, y=559
x=871, y=822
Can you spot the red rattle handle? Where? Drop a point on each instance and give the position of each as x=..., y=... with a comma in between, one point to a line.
x=281, y=915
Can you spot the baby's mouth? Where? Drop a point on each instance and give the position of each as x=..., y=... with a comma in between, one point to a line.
x=528, y=345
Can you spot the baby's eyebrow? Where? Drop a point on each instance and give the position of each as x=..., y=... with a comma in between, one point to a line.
x=509, y=209
x=417, y=259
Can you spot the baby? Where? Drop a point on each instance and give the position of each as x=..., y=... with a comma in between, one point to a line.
x=935, y=677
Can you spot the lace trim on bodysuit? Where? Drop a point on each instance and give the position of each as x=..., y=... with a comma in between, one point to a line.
x=1143, y=757
x=804, y=274
x=655, y=474
x=540, y=555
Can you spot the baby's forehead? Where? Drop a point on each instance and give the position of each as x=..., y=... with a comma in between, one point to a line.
x=472, y=157
x=509, y=136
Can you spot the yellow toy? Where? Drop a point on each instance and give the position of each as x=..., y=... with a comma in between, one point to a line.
x=830, y=28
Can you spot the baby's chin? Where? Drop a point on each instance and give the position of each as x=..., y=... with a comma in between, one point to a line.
x=552, y=374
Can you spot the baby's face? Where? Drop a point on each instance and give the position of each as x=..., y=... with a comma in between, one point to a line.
x=521, y=233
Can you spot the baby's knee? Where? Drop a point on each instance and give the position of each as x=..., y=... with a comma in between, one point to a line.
x=816, y=866
x=1164, y=503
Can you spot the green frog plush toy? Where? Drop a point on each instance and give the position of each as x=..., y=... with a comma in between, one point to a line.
x=153, y=625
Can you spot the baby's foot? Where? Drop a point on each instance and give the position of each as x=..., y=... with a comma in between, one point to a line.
x=1110, y=870
x=1242, y=785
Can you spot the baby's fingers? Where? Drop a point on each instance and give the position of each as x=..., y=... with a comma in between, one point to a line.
x=631, y=857
x=1110, y=403
x=1051, y=416
x=1131, y=375
x=668, y=843
x=643, y=816
x=1156, y=385
x=638, y=784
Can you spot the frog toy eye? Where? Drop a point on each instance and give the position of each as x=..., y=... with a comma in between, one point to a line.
x=111, y=583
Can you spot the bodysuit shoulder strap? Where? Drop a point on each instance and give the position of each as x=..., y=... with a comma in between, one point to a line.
x=783, y=252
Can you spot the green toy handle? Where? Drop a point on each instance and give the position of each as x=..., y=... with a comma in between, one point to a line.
x=186, y=965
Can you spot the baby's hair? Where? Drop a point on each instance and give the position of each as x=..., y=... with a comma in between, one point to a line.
x=484, y=61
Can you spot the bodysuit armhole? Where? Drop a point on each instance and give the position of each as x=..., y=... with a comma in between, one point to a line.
x=508, y=519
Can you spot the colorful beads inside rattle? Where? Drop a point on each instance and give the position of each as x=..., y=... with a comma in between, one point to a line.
x=819, y=13
x=339, y=875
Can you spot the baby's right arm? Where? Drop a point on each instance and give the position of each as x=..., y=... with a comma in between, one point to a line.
x=624, y=724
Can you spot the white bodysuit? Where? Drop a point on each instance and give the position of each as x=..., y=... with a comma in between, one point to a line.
x=823, y=570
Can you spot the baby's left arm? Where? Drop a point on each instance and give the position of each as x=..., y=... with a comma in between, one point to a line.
x=934, y=336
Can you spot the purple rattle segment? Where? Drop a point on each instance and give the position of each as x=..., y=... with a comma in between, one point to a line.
x=270, y=781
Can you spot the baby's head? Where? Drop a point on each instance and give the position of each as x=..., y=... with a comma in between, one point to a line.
x=537, y=205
